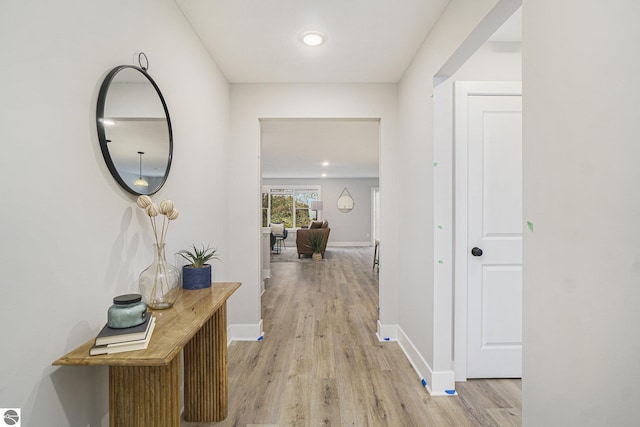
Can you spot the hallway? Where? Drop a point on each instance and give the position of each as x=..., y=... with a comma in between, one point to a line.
x=320, y=362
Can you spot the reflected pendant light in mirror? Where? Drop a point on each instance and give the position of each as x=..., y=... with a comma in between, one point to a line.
x=132, y=121
x=141, y=182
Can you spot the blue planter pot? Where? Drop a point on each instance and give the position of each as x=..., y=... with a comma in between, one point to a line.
x=196, y=278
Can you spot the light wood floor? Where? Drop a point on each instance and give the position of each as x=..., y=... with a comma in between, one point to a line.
x=320, y=363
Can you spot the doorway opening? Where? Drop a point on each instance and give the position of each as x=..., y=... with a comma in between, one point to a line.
x=323, y=157
x=486, y=55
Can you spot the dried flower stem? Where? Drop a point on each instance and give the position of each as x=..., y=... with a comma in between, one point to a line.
x=167, y=209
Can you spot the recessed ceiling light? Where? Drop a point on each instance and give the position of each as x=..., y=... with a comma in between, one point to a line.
x=324, y=175
x=312, y=38
x=325, y=163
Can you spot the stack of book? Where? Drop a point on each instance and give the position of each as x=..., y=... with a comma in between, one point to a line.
x=111, y=340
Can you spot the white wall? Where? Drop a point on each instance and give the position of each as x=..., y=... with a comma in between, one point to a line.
x=347, y=229
x=70, y=238
x=581, y=175
x=251, y=102
x=425, y=323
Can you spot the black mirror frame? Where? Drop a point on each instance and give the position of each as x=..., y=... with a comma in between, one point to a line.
x=102, y=97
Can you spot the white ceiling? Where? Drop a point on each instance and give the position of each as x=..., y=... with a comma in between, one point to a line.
x=297, y=148
x=367, y=41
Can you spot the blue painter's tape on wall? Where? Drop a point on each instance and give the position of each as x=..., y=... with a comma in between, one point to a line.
x=261, y=337
x=387, y=339
x=424, y=382
x=450, y=391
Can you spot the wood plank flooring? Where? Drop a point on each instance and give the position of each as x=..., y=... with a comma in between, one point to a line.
x=320, y=363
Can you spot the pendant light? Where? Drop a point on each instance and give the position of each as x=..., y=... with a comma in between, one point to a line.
x=141, y=182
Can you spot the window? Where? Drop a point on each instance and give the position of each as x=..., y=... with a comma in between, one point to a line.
x=281, y=209
x=288, y=205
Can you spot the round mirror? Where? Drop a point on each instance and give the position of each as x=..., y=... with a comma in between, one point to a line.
x=345, y=201
x=134, y=130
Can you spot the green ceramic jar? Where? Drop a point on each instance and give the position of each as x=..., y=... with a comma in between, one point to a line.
x=127, y=311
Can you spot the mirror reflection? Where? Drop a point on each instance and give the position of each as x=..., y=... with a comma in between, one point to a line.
x=134, y=129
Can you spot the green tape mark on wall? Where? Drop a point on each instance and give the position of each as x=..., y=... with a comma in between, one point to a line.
x=439, y=227
x=530, y=226
x=435, y=164
x=440, y=261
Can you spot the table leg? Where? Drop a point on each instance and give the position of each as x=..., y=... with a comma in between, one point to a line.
x=145, y=395
x=376, y=256
x=205, y=371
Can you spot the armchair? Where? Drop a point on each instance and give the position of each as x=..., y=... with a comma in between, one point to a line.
x=302, y=237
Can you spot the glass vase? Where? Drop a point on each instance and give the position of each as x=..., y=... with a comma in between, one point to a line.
x=159, y=283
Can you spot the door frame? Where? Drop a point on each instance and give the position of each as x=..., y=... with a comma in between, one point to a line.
x=462, y=90
x=375, y=214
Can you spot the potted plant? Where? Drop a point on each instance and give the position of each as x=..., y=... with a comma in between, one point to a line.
x=197, y=274
x=316, y=241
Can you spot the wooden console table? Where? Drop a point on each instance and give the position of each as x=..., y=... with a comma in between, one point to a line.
x=144, y=385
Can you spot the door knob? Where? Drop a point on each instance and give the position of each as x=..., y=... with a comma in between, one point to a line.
x=476, y=251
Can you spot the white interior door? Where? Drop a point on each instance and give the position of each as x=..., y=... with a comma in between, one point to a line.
x=494, y=235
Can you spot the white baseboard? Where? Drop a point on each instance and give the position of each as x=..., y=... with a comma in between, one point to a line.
x=387, y=332
x=438, y=383
x=251, y=332
x=342, y=244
